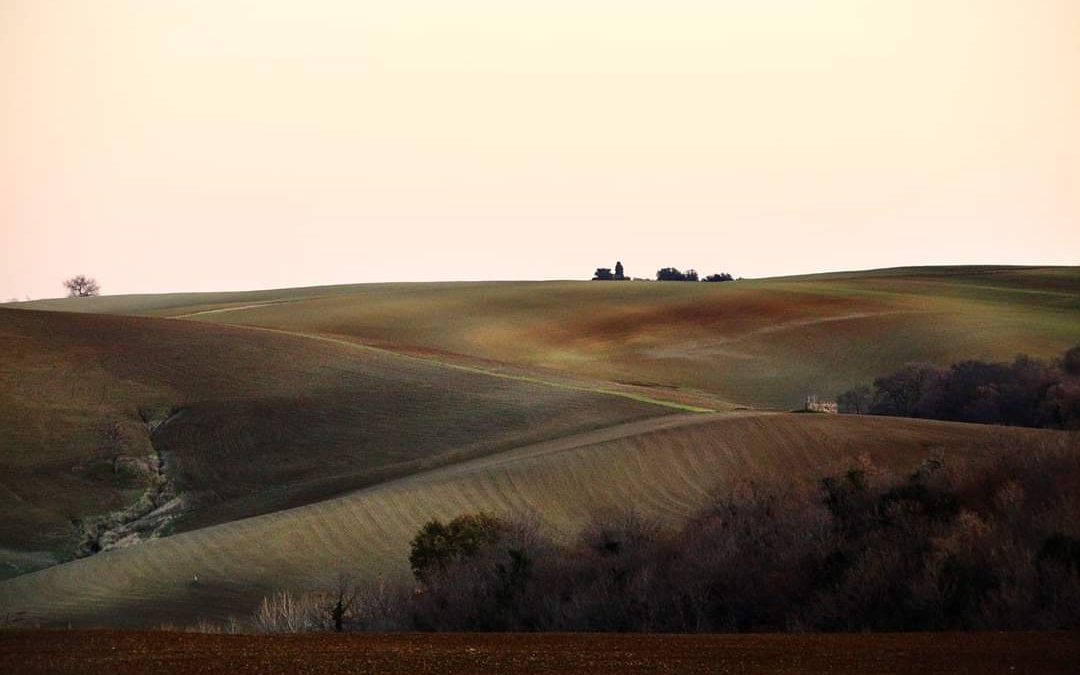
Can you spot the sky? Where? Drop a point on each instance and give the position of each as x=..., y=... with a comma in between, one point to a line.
x=196, y=145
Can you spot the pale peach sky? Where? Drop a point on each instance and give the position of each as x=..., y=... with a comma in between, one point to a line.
x=215, y=144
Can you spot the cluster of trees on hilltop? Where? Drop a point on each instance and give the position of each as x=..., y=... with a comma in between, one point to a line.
x=987, y=543
x=673, y=274
x=664, y=274
x=1028, y=392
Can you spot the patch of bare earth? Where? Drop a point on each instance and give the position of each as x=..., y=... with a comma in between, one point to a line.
x=119, y=652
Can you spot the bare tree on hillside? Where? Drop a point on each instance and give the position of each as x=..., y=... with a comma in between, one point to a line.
x=81, y=286
x=856, y=401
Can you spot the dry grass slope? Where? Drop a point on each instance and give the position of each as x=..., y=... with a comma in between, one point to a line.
x=756, y=342
x=407, y=401
x=262, y=420
x=664, y=468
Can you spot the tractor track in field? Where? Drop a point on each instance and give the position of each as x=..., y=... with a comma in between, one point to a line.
x=530, y=379
x=238, y=308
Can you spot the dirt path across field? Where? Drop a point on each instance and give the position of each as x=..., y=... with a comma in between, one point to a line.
x=607, y=389
x=239, y=308
x=161, y=653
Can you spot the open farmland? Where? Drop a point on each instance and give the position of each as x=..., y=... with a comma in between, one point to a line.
x=665, y=468
x=248, y=421
x=599, y=654
x=289, y=435
x=766, y=342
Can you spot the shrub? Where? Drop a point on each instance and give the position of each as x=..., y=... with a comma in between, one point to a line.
x=1070, y=362
x=287, y=612
x=673, y=274
x=723, y=276
x=437, y=544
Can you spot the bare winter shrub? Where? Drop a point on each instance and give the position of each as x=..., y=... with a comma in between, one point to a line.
x=961, y=545
x=379, y=606
x=287, y=612
x=749, y=557
x=611, y=579
x=206, y=626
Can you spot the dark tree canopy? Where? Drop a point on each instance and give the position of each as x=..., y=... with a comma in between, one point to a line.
x=673, y=274
x=855, y=401
x=619, y=270
x=900, y=393
x=1026, y=392
x=723, y=276
x=81, y=286
x=1071, y=361
x=438, y=544
x=951, y=543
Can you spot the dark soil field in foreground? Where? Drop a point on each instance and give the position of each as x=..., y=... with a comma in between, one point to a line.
x=119, y=652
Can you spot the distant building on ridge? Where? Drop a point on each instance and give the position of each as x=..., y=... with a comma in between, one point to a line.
x=815, y=405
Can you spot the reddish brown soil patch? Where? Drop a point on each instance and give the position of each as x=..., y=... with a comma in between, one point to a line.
x=731, y=314
x=42, y=651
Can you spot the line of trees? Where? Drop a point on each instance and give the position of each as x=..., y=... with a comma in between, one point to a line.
x=989, y=543
x=673, y=274
x=1028, y=392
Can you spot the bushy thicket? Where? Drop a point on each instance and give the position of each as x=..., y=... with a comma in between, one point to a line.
x=673, y=274
x=721, y=277
x=439, y=544
x=1027, y=392
x=980, y=544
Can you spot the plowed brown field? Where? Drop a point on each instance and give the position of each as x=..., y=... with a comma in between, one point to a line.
x=121, y=652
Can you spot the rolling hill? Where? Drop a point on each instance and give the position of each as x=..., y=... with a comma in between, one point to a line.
x=762, y=343
x=665, y=468
x=244, y=422
x=274, y=438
